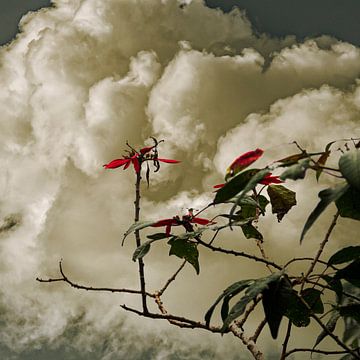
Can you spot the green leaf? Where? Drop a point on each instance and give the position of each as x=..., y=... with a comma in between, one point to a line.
x=229, y=292
x=137, y=226
x=273, y=312
x=258, y=176
x=349, y=165
x=352, y=310
x=313, y=299
x=256, y=288
x=251, y=232
x=185, y=250
x=245, y=200
x=330, y=326
x=234, y=186
x=349, y=204
x=157, y=236
x=326, y=196
x=297, y=171
x=282, y=200
x=345, y=255
x=350, y=273
x=263, y=201
x=292, y=159
x=142, y=250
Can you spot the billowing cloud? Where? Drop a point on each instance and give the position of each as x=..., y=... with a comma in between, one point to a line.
x=84, y=77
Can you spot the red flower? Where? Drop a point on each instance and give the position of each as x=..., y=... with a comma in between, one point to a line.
x=185, y=221
x=137, y=158
x=243, y=161
x=269, y=179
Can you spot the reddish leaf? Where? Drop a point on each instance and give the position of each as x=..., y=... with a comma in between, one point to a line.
x=146, y=149
x=116, y=163
x=243, y=161
x=269, y=179
x=168, y=161
x=136, y=163
x=201, y=221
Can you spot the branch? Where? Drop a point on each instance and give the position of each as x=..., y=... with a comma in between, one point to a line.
x=322, y=245
x=326, y=352
x=65, y=279
x=183, y=322
x=237, y=253
x=171, y=279
x=258, y=330
x=286, y=341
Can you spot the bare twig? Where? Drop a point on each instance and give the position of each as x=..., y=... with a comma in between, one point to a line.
x=258, y=331
x=138, y=241
x=65, y=279
x=238, y=253
x=171, y=279
x=286, y=341
x=326, y=352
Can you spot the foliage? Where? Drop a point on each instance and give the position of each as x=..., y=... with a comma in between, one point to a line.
x=300, y=298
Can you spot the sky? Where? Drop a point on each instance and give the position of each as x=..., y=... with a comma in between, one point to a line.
x=85, y=76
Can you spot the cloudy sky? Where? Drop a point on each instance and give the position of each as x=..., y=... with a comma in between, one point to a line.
x=83, y=77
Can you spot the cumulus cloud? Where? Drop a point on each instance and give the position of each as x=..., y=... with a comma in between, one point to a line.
x=85, y=76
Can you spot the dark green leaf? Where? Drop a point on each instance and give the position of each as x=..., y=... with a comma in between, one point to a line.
x=349, y=165
x=350, y=273
x=292, y=306
x=263, y=201
x=282, y=200
x=273, y=312
x=349, y=204
x=185, y=250
x=352, y=329
x=245, y=200
x=352, y=310
x=256, y=288
x=313, y=299
x=330, y=326
x=234, y=186
x=335, y=285
x=229, y=292
x=321, y=161
x=296, y=171
x=326, y=196
x=142, y=250
x=251, y=232
x=345, y=255
x=157, y=236
x=225, y=307
x=137, y=226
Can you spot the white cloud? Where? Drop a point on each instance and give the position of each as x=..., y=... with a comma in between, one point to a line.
x=86, y=76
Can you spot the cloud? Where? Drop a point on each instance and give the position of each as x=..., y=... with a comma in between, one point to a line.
x=84, y=77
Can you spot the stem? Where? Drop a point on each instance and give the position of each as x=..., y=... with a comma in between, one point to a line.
x=138, y=242
x=286, y=341
x=321, y=247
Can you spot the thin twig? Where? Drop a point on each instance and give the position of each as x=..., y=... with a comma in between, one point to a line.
x=65, y=279
x=258, y=331
x=171, y=279
x=237, y=253
x=326, y=352
x=286, y=341
x=185, y=322
x=322, y=245
x=138, y=240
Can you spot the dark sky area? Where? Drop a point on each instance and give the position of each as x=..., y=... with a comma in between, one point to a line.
x=303, y=18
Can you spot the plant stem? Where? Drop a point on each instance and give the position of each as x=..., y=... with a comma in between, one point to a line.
x=138, y=242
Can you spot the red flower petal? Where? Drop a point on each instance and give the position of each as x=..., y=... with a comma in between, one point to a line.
x=268, y=179
x=243, y=161
x=116, y=163
x=136, y=163
x=169, y=161
x=218, y=186
x=165, y=222
x=201, y=221
x=168, y=230
x=127, y=165
x=146, y=149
